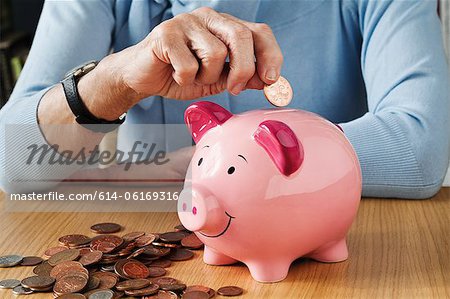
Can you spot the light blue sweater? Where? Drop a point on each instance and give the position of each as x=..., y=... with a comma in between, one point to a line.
x=376, y=67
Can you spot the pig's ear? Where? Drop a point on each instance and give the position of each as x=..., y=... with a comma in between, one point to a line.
x=203, y=116
x=282, y=145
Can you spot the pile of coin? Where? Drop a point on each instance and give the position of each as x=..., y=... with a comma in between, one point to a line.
x=109, y=266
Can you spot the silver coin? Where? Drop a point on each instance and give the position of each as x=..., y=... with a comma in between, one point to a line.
x=102, y=294
x=9, y=283
x=10, y=260
x=20, y=290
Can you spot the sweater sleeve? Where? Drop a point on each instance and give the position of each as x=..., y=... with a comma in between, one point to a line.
x=403, y=140
x=69, y=33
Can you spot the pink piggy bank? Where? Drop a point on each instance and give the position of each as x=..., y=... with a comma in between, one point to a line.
x=267, y=187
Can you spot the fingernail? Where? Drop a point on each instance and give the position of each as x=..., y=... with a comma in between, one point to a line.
x=271, y=74
x=237, y=88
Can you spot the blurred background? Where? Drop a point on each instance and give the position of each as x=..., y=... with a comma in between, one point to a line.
x=19, y=18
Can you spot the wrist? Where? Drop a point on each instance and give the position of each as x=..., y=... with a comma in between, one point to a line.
x=104, y=92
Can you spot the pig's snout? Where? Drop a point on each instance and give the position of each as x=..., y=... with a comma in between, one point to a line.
x=199, y=210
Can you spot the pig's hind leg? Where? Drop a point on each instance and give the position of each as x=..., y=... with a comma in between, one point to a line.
x=331, y=253
x=213, y=257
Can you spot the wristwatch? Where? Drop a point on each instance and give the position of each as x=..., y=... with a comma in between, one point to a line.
x=82, y=114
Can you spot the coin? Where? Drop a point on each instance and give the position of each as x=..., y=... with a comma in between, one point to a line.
x=9, y=283
x=54, y=250
x=72, y=296
x=230, y=291
x=10, y=260
x=116, y=240
x=195, y=295
x=132, y=236
x=176, y=287
x=91, y=258
x=168, y=245
x=201, y=288
x=37, y=283
x=31, y=261
x=135, y=269
x=164, y=263
x=164, y=280
x=172, y=237
x=106, y=228
x=150, y=290
x=192, y=242
x=74, y=240
x=133, y=284
x=180, y=228
x=145, y=240
x=156, y=271
x=67, y=267
x=152, y=251
x=70, y=283
x=93, y=283
x=180, y=254
x=107, y=279
x=279, y=93
x=101, y=294
x=66, y=255
x=43, y=269
x=20, y=290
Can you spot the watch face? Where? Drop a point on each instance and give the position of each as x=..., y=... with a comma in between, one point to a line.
x=82, y=70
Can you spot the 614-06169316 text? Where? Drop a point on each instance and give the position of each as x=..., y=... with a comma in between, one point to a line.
x=97, y=196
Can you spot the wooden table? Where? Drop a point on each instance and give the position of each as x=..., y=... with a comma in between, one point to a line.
x=398, y=249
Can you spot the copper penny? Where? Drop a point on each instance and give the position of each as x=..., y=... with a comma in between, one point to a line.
x=152, y=251
x=36, y=283
x=136, y=253
x=66, y=255
x=201, y=288
x=135, y=269
x=31, y=261
x=85, y=250
x=165, y=263
x=195, y=295
x=145, y=240
x=132, y=236
x=107, y=279
x=279, y=93
x=176, y=287
x=106, y=228
x=54, y=250
x=67, y=267
x=74, y=240
x=133, y=284
x=150, y=290
x=172, y=237
x=43, y=269
x=156, y=271
x=70, y=283
x=91, y=258
x=192, y=241
x=116, y=240
x=168, y=245
x=180, y=254
x=230, y=291
x=164, y=280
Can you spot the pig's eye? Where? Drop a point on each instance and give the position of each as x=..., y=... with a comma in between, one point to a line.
x=231, y=170
x=200, y=161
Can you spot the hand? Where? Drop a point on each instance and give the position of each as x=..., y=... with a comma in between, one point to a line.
x=184, y=57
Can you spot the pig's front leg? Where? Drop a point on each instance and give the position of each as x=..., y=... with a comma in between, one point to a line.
x=213, y=257
x=269, y=270
x=331, y=253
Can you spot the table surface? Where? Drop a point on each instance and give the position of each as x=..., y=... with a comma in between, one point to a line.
x=398, y=249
